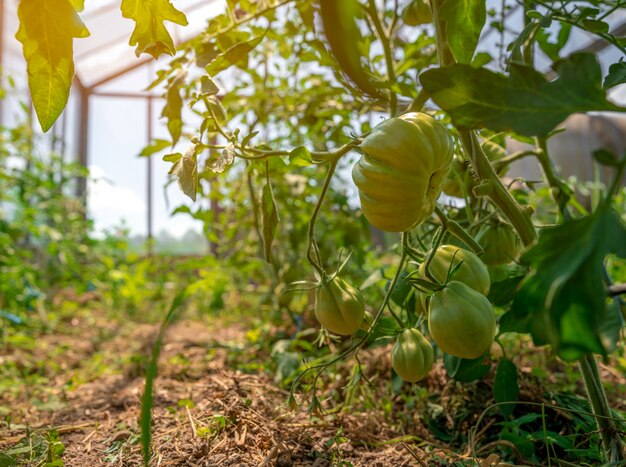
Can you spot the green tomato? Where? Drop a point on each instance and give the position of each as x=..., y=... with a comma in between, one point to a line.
x=339, y=307
x=461, y=321
x=417, y=12
x=401, y=173
x=501, y=244
x=412, y=355
x=472, y=272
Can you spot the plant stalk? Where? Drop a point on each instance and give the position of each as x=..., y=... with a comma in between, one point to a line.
x=609, y=432
x=497, y=193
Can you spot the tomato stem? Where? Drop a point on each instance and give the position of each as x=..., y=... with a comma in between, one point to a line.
x=436, y=242
x=313, y=253
x=560, y=191
x=356, y=346
x=519, y=218
x=384, y=40
x=499, y=195
x=459, y=232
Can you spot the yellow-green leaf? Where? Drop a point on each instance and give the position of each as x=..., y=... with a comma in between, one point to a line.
x=47, y=31
x=150, y=35
x=236, y=54
x=79, y=5
x=174, y=106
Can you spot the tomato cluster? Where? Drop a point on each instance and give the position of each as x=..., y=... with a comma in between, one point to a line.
x=403, y=169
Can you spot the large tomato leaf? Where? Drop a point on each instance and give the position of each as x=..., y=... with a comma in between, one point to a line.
x=150, y=35
x=47, y=31
x=465, y=20
x=342, y=33
x=525, y=101
x=564, y=298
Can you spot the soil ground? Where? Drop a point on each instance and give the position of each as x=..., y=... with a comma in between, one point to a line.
x=205, y=413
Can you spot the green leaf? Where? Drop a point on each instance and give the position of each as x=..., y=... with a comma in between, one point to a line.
x=606, y=157
x=269, y=220
x=616, y=75
x=186, y=170
x=464, y=370
x=209, y=87
x=172, y=110
x=301, y=157
x=552, y=49
x=402, y=289
x=343, y=35
x=524, y=40
x=157, y=145
x=505, y=387
x=248, y=138
x=564, y=298
x=595, y=26
x=509, y=322
x=234, y=55
x=502, y=292
x=481, y=59
x=47, y=31
x=465, y=20
x=145, y=418
x=150, y=35
x=610, y=329
x=524, y=102
x=172, y=157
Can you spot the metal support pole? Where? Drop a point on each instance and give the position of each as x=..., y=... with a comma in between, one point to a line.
x=149, y=181
x=83, y=138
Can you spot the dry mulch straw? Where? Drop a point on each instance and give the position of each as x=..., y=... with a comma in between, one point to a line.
x=210, y=415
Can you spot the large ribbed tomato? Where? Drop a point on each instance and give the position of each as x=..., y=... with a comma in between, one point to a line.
x=500, y=243
x=412, y=355
x=472, y=272
x=339, y=307
x=461, y=321
x=405, y=161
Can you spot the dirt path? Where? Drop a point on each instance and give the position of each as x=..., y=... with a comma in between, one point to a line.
x=204, y=415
